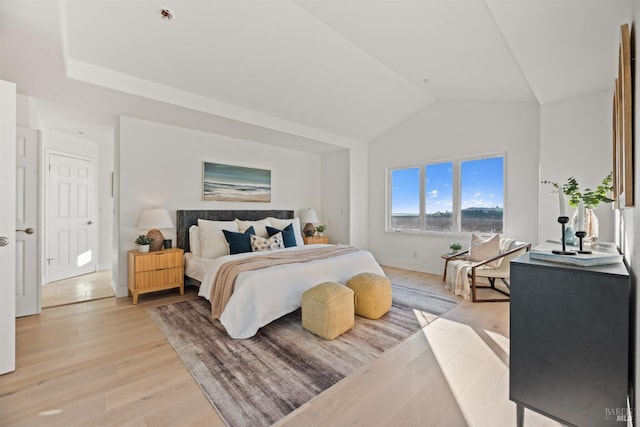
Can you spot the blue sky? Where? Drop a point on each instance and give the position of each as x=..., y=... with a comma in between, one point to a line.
x=482, y=186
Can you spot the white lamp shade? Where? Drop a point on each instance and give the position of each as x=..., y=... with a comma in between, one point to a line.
x=155, y=218
x=309, y=216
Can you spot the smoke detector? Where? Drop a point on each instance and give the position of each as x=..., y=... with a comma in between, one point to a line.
x=165, y=14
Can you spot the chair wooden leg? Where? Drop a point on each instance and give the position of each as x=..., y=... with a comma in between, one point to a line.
x=492, y=282
x=473, y=285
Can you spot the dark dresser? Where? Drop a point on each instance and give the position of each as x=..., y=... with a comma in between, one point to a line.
x=569, y=339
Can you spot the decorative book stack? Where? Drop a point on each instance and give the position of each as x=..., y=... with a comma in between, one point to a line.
x=601, y=255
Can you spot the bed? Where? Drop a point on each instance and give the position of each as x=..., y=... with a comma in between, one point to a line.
x=263, y=295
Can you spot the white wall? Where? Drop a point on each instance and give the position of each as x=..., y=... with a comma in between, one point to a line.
x=575, y=141
x=359, y=195
x=105, y=205
x=336, y=196
x=161, y=165
x=26, y=116
x=449, y=130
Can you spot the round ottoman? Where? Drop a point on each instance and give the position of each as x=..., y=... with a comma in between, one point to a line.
x=372, y=294
x=327, y=310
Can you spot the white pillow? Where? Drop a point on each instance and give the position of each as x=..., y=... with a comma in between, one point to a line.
x=194, y=240
x=481, y=250
x=260, y=244
x=260, y=226
x=282, y=223
x=212, y=241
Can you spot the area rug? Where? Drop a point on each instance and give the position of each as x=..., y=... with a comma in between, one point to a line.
x=257, y=381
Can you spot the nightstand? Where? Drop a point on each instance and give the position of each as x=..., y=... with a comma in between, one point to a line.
x=155, y=271
x=315, y=240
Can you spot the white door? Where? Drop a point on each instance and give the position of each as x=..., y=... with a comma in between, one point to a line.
x=27, y=225
x=7, y=227
x=71, y=241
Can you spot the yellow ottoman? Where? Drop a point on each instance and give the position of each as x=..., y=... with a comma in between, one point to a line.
x=372, y=294
x=327, y=310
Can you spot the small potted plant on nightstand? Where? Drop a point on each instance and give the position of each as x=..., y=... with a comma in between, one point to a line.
x=455, y=247
x=143, y=243
x=320, y=229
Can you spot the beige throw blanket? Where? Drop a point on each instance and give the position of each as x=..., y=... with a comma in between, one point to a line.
x=225, y=280
x=458, y=278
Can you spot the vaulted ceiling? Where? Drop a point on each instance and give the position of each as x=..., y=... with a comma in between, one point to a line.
x=306, y=74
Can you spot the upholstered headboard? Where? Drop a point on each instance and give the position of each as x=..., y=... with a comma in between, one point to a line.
x=185, y=219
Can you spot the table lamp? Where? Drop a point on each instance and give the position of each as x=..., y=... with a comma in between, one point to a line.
x=152, y=220
x=309, y=216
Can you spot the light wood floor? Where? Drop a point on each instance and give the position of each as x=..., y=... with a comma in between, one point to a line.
x=106, y=363
x=75, y=289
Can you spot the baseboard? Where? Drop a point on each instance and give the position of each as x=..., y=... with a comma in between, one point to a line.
x=413, y=265
x=119, y=291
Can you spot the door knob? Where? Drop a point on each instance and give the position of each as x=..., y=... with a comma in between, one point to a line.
x=28, y=230
x=89, y=222
x=4, y=241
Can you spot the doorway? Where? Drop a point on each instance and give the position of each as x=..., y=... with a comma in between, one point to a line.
x=77, y=219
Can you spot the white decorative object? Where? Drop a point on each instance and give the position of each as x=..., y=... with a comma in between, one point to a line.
x=561, y=201
x=143, y=249
x=580, y=225
x=585, y=219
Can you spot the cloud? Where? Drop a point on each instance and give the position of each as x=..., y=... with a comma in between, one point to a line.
x=433, y=193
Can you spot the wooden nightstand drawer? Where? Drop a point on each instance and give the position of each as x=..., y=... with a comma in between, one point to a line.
x=158, y=259
x=159, y=278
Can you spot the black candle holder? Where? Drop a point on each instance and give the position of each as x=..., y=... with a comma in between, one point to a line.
x=563, y=220
x=581, y=235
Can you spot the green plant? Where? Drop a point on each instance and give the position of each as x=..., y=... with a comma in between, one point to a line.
x=143, y=240
x=455, y=246
x=320, y=228
x=590, y=198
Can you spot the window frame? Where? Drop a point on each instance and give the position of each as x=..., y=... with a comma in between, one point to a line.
x=456, y=194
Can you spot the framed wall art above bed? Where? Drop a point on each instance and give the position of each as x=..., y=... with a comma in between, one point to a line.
x=228, y=183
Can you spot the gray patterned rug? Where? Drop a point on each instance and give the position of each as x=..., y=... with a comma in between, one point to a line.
x=257, y=381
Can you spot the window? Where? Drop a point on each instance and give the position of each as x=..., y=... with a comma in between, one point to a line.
x=482, y=195
x=463, y=195
x=405, y=199
x=439, y=197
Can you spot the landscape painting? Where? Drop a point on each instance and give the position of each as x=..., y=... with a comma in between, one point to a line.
x=230, y=183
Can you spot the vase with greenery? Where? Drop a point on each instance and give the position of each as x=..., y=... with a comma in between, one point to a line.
x=585, y=201
x=143, y=243
x=455, y=247
x=320, y=229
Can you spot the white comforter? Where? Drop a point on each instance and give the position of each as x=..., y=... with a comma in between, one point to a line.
x=261, y=296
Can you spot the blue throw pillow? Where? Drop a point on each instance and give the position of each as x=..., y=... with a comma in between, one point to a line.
x=288, y=235
x=239, y=242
